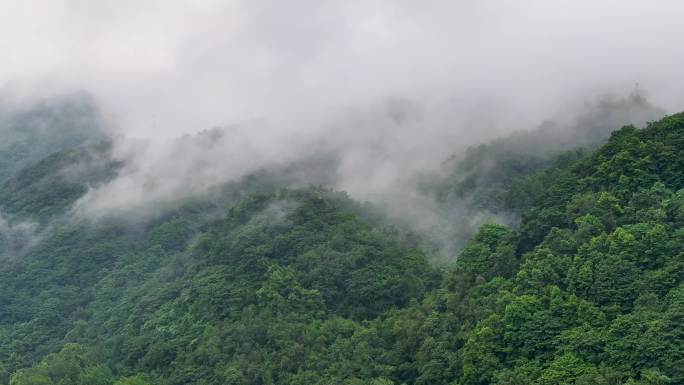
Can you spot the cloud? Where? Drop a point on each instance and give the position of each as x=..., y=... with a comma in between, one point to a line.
x=16, y=237
x=165, y=68
x=394, y=85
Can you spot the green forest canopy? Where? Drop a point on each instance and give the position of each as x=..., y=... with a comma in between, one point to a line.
x=261, y=284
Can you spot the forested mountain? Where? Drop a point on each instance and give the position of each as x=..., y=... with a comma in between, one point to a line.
x=489, y=182
x=259, y=282
x=34, y=130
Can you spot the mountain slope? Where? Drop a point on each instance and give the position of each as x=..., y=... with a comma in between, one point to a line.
x=31, y=132
x=115, y=286
x=488, y=182
x=256, y=284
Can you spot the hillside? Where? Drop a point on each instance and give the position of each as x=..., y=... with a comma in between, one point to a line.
x=256, y=283
x=30, y=132
x=489, y=182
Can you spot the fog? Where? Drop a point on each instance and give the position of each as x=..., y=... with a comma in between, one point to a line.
x=166, y=68
x=391, y=87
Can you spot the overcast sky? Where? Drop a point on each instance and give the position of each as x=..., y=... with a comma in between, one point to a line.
x=166, y=67
x=392, y=86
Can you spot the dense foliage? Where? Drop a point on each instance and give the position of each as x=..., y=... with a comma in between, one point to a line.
x=489, y=182
x=256, y=284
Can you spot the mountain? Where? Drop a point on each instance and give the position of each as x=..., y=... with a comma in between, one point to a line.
x=30, y=132
x=258, y=282
x=488, y=183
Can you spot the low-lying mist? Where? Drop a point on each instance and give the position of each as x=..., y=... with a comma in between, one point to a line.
x=380, y=99
x=432, y=167
x=400, y=155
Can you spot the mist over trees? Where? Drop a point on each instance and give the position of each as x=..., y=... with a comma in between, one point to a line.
x=322, y=192
x=275, y=278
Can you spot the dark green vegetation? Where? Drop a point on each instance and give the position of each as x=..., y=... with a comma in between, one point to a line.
x=258, y=284
x=490, y=181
